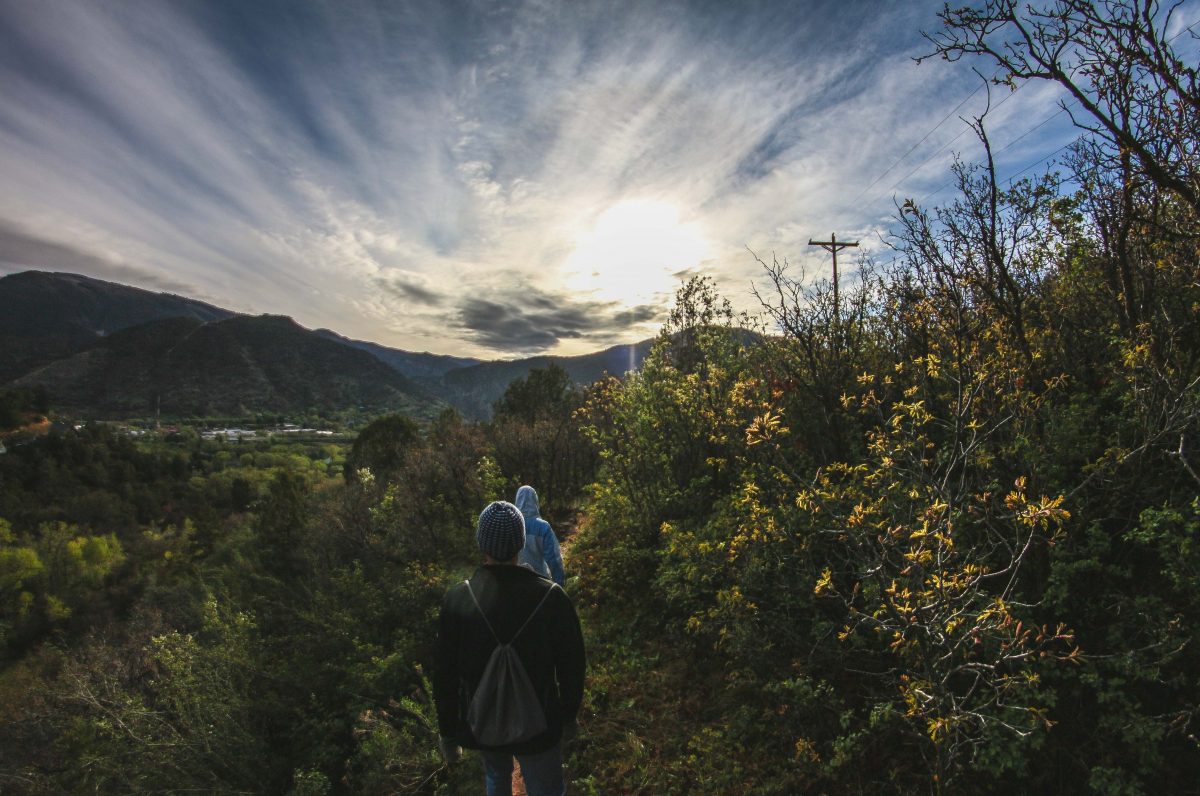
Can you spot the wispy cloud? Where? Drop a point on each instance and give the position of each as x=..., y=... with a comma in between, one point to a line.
x=391, y=170
x=20, y=251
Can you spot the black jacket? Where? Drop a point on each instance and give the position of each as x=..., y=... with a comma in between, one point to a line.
x=550, y=648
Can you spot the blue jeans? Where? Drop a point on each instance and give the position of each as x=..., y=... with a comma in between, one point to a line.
x=543, y=773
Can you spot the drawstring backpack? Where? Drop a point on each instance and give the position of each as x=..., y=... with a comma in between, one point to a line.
x=505, y=708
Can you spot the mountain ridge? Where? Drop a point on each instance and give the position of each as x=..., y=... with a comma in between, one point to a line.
x=233, y=366
x=476, y=387
x=47, y=315
x=102, y=347
x=418, y=365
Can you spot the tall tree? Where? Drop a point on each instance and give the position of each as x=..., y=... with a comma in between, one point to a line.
x=1127, y=84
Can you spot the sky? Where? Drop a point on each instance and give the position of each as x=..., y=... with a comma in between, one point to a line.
x=487, y=179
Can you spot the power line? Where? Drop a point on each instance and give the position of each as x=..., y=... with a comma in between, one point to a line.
x=1188, y=29
x=924, y=138
x=926, y=161
x=1036, y=127
x=1004, y=149
x=940, y=149
x=1009, y=181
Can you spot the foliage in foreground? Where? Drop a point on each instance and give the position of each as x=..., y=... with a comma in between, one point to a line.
x=181, y=614
x=935, y=535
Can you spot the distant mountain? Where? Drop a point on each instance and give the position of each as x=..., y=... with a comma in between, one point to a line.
x=111, y=350
x=422, y=367
x=472, y=385
x=473, y=389
x=45, y=316
x=238, y=365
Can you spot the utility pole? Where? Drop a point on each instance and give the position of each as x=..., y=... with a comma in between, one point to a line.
x=833, y=247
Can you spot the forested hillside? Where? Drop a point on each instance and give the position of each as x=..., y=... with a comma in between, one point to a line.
x=937, y=531
x=181, y=367
x=46, y=316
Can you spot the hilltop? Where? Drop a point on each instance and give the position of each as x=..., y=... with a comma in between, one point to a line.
x=45, y=315
x=237, y=365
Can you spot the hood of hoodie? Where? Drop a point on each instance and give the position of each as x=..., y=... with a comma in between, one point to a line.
x=527, y=502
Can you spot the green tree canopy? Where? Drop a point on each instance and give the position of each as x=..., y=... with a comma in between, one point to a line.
x=382, y=446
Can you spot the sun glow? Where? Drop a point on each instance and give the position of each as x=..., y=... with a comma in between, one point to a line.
x=635, y=251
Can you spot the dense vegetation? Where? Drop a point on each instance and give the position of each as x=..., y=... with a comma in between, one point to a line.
x=253, y=616
x=935, y=532
x=939, y=535
x=19, y=408
x=186, y=367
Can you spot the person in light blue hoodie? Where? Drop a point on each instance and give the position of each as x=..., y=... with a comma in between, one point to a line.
x=541, y=553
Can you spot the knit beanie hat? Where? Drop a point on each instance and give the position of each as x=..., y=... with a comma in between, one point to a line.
x=501, y=531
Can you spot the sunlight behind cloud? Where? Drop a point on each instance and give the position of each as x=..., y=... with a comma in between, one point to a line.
x=634, y=251
x=355, y=165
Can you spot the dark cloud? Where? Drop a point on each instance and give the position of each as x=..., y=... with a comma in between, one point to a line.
x=643, y=313
x=21, y=251
x=529, y=321
x=409, y=290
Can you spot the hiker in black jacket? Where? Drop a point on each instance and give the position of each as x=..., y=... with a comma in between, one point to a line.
x=502, y=603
